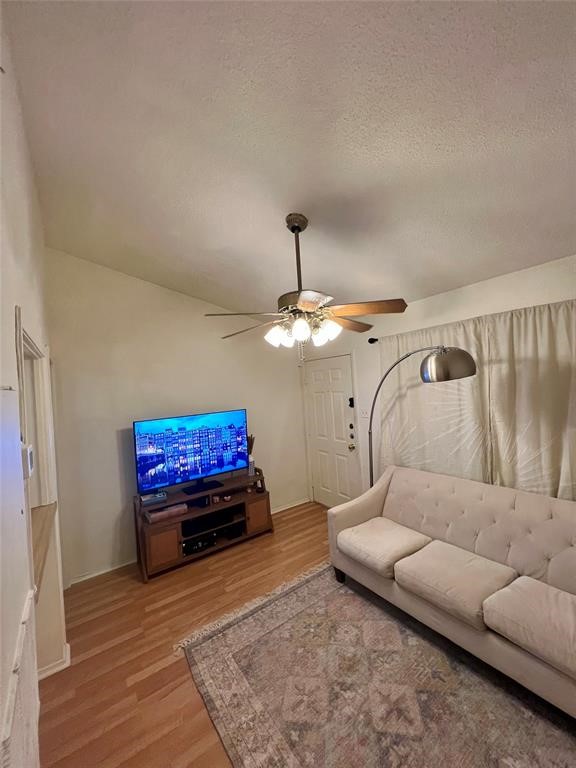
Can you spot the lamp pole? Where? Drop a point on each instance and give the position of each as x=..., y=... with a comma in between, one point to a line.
x=437, y=348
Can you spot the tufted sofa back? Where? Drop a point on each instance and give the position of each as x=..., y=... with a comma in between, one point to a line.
x=535, y=535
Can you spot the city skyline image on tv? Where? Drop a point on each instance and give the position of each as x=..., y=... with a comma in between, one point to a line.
x=183, y=449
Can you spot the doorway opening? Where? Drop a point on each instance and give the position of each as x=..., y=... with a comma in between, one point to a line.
x=40, y=488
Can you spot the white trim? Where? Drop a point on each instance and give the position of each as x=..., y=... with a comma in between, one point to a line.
x=360, y=487
x=306, y=417
x=46, y=452
x=19, y=344
x=56, y=666
x=275, y=510
x=45, y=456
x=86, y=576
x=30, y=346
x=20, y=338
x=57, y=542
x=13, y=681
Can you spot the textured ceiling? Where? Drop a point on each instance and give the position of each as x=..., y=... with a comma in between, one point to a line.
x=431, y=145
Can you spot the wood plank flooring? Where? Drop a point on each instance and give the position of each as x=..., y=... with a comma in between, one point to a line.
x=128, y=700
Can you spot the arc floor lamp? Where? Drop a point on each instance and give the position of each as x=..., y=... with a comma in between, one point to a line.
x=440, y=364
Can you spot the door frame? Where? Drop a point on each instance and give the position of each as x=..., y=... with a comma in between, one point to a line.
x=307, y=419
x=44, y=460
x=45, y=453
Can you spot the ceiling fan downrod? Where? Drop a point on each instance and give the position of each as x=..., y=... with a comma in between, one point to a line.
x=296, y=223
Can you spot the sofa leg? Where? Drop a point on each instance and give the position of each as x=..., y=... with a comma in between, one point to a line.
x=340, y=575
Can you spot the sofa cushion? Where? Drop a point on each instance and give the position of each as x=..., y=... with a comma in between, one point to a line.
x=379, y=542
x=534, y=534
x=455, y=580
x=537, y=617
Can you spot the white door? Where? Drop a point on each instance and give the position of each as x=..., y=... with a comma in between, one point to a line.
x=331, y=430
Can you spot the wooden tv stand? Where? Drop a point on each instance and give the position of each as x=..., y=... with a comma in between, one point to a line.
x=185, y=526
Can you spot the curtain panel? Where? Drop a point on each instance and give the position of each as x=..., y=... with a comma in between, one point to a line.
x=512, y=424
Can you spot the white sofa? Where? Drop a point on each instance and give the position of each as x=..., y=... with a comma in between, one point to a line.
x=491, y=568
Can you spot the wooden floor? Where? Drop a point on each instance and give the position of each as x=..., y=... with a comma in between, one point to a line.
x=128, y=700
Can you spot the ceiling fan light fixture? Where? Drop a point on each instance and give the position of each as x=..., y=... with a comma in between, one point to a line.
x=331, y=329
x=319, y=336
x=287, y=339
x=306, y=315
x=301, y=329
x=274, y=336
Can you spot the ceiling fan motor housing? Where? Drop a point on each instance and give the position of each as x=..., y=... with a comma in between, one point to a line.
x=306, y=300
x=288, y=301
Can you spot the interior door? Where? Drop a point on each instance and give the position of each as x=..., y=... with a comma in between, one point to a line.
x=331, y=430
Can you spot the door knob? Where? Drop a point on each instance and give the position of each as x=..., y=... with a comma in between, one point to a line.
x=351, y=447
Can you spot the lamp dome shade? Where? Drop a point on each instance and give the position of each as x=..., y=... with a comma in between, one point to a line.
x=447, y=364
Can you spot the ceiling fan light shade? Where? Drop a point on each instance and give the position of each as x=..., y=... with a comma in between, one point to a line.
x=319, y=336
x=301, y=329
x=447, y=364
x=332, y=329
x=274, y=336
x=287, y=339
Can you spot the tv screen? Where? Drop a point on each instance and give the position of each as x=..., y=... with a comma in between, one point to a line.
x=188, y=448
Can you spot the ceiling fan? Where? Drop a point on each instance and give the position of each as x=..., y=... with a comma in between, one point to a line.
x=305, y=314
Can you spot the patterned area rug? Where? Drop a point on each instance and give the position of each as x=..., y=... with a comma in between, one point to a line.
x=325, y=675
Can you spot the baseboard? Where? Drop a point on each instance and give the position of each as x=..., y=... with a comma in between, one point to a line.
x=86, y=576
x=56, y=666
x=275, y=510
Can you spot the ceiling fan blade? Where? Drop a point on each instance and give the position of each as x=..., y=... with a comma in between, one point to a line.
x=352, y=325
x=252, y=327
x=242, y=314
x=310, y=301
x=381, y=307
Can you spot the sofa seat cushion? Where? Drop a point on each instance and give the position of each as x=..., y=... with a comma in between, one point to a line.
x=453, y=579
x=537, y=617
x=379, y=543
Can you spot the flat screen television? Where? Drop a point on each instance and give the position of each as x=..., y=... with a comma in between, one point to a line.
x=187, y=449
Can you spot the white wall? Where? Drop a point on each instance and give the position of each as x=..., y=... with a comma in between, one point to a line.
x=21, y=284
x=125, y=349
x=547, y=283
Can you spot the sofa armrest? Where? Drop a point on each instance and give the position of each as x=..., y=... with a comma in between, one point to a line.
x=359, y=510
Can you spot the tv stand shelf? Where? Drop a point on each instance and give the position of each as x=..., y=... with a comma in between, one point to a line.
x=187, y=526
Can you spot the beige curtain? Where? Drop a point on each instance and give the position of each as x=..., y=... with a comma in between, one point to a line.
x=437, y=427
x=513, y=424
x=533, y=398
